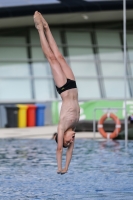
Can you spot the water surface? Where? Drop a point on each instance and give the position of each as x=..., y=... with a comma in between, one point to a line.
x=99, y=170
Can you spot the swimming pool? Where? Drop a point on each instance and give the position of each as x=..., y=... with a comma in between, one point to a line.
x=99, y=170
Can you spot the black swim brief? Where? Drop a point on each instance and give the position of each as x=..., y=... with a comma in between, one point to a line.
x=69, y=85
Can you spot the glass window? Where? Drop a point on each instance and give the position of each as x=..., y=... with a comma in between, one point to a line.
x=75, y=38
x=83, y=68
x=81, y=60
x=37, y=53
x=34, y=36
x=132, y=68
x=79, y=56
x=88, y=88
x=12, y=89
x=130, y=53
x=109, y=39
x=112, y=69
x=80, y=53
x=130, y=46
x=130, y=39
x=41, y=69
x=110, y=54
x=13, y=53
x=14, y=69
x=83, y=39
x=115, y=88
x=12, y=40
x=44, y=89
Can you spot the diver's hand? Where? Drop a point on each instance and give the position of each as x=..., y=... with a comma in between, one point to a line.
x=63, y=171
x=59, y=171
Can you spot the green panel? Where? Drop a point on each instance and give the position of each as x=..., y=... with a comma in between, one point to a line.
x=55, y=112
x=87, y=109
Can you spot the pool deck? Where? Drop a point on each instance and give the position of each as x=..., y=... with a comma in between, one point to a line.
x=45, y=132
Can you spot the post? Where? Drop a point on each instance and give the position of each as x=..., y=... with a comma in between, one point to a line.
x=94, y=126
x=125, y=66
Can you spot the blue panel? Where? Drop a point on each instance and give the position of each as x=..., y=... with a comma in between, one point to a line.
x=102, y=0
x=13, y=3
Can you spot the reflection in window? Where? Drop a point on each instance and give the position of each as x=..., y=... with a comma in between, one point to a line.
x=13, y=53
x=14, y=69
x=83, y=68
x=132, y=68
x=115, y=88
x=109, y=39
x=41, y=69
x=82, y=39
x=88, y=88
x=15, y=89
x=44, y=89
x=81, y=60
x=130, y=40
x=112, y=69
x=80, y=57
x=110, y=54
x=130, y=45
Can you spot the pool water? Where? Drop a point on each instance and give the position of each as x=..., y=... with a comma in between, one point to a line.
x=99, y=170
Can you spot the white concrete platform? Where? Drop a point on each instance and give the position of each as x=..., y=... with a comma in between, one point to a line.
x=39, y=132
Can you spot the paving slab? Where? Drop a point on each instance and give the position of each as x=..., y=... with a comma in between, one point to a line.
x=40, y=132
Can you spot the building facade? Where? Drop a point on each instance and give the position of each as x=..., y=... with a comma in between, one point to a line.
x=90, y=36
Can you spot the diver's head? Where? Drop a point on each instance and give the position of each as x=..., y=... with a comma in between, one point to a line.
x=68, y=138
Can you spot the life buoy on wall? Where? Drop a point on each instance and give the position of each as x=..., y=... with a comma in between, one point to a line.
x=117, y=126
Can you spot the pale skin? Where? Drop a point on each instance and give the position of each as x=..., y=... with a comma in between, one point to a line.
x=70, y=111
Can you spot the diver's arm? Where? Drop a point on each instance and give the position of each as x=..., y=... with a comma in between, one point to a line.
x=59, y=148
x=68, y=157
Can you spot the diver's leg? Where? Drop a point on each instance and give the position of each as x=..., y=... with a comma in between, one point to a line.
x=58, y=74
x=66, y=69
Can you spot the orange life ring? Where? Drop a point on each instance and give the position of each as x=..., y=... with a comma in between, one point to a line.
x=117, y=126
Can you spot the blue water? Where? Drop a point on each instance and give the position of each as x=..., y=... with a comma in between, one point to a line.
x=99, y=170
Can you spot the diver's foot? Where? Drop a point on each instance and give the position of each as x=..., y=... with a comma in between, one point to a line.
x=38, y=21
x=63, y=171
x=58, y=172
x=44, y=22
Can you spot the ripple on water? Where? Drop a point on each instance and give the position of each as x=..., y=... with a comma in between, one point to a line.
x=99, y=170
